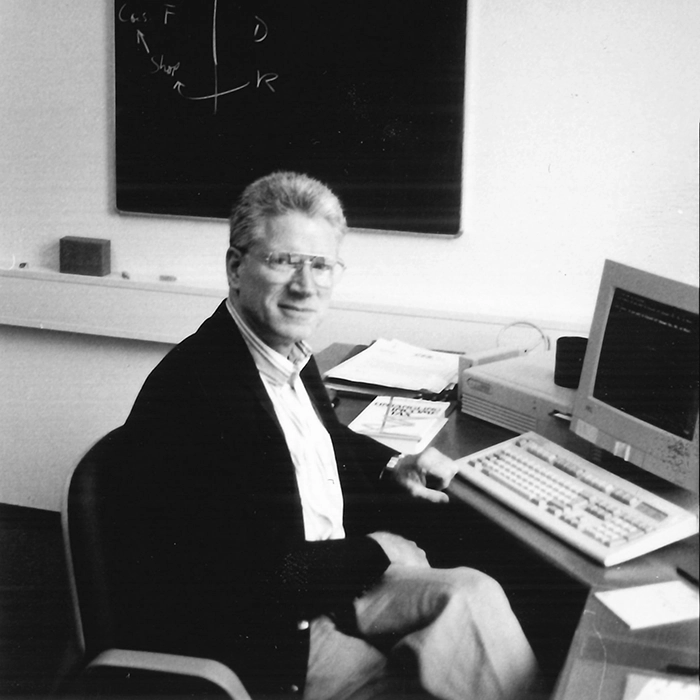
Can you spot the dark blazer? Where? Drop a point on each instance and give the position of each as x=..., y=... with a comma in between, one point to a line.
x=220, y=534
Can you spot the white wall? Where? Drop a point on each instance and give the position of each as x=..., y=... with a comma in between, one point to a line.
x=581, y=144
x=59, y=395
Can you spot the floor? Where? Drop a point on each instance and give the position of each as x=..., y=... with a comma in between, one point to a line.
x=36, y=619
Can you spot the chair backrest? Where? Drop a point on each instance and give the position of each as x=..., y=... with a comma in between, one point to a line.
x=91, y=531
x=101, y=523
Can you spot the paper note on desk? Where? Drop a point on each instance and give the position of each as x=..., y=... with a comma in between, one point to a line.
x=643, y=687
x=393, y=363
x=653, y=604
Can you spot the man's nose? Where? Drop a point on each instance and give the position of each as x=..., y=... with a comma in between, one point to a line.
x=303, y=278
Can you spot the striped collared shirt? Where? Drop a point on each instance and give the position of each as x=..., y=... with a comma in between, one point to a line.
x=308, y=441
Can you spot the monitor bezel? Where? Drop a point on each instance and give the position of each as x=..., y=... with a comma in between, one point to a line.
x=651, y=448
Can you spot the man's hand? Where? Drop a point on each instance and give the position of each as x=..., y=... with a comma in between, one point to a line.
x=426, y=474
x=399, y=550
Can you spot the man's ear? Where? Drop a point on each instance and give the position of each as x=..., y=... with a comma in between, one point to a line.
x=233, y=262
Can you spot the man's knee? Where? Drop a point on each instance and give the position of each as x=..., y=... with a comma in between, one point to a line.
x=476, y=586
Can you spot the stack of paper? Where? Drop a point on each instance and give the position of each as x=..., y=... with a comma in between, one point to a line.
x=397, y=365
x=405, y=424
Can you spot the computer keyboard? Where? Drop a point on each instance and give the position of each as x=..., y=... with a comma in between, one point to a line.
x=600, y=514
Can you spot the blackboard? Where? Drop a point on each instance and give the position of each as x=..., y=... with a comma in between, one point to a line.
x=366, y=95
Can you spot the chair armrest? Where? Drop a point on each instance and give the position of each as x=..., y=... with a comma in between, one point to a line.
x=206, y=669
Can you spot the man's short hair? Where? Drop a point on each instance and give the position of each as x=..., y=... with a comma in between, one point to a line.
x=277, y=194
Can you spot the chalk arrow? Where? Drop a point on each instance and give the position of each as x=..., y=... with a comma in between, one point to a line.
x=179, y=85
x=141, y=39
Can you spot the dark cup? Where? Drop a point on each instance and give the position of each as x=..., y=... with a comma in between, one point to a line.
x=569, y=361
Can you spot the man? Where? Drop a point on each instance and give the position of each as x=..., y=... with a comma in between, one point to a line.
x=273, y=516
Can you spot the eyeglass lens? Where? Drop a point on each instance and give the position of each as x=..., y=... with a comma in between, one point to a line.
x=323, y=271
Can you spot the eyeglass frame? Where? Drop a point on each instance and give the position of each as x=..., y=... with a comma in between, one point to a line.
x=335, y=268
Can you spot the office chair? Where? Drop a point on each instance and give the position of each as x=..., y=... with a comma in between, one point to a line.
x=114, y=663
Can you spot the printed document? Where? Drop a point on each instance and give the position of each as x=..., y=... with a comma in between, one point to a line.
x=399, y=365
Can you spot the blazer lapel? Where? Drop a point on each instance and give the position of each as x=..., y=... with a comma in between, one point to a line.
x=234, y=364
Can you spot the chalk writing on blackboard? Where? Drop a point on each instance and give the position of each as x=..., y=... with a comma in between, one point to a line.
x=169, y=68
x=367, y=96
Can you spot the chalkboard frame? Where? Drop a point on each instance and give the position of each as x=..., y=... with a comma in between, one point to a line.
x=371, y=101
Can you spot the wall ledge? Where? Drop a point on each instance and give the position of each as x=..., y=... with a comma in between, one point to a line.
x=166, y=312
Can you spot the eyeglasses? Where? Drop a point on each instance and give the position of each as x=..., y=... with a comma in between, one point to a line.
x=324, y=271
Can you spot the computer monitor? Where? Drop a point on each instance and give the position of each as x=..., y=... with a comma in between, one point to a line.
x=638, y=394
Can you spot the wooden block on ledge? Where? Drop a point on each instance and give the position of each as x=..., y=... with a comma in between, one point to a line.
x=85, y=256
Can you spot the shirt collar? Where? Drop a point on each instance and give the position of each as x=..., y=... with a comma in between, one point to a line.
x=271, y=364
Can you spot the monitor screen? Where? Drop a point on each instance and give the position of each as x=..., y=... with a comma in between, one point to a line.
x=638, y=395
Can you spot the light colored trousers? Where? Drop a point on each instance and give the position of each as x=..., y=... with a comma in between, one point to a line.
x=424, y=633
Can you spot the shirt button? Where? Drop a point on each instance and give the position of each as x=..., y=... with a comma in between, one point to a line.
x=303, y=625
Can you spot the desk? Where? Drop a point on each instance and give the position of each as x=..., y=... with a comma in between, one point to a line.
x=601, y=650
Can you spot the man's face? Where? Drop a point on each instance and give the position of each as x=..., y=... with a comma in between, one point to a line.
x=283, y=312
